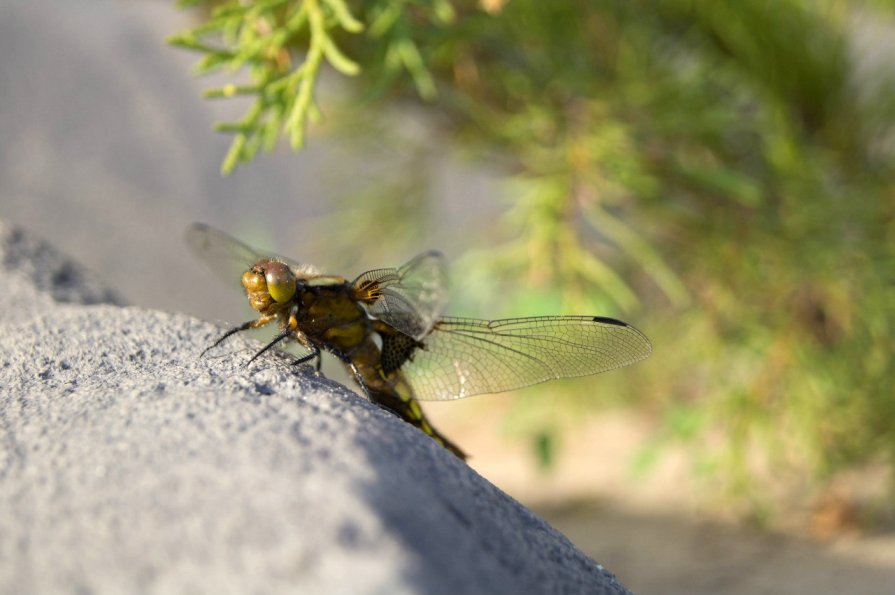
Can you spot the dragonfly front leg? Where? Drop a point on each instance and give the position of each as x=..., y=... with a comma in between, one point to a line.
x=282, y=336
x=257, y=323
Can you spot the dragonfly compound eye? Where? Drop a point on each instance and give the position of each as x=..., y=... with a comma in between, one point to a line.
x=280, y=281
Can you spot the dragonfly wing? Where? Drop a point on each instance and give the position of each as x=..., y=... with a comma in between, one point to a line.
x=410, y=298
x=229, y=258
x=464, y=357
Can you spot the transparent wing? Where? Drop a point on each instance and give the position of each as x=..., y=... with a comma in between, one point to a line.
x=410, y=298
x=464, y=357
x=229, y=258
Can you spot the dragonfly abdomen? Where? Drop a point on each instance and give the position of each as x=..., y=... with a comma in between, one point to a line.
x=390, y=389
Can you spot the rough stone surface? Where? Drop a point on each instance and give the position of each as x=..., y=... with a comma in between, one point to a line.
x=129, y=464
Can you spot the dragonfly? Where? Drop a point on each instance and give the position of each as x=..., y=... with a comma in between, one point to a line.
x=387, y=327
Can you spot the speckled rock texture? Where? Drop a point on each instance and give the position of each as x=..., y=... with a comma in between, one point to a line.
x=129, y=464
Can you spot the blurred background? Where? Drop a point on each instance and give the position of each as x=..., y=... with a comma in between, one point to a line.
x=717, y=174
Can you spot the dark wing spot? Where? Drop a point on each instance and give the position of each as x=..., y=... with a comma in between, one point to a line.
x=607, y=320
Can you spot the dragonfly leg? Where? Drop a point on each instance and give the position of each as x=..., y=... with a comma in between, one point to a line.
x=259, y=322
x=238, y=329
x=282, y=336
x=357, y=376
x=315, y=353
x=359, y=379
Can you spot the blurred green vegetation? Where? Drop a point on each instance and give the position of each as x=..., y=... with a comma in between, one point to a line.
x=718, y=173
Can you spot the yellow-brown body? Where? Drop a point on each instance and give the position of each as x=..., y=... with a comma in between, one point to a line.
x=326, y=313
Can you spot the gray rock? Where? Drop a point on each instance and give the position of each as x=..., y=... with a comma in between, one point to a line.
x=36, y=277
x=129, y=464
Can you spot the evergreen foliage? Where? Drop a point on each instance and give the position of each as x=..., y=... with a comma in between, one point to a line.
x=721, y=170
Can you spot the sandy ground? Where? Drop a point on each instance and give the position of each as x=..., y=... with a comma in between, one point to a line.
x=657, y=533
x=674, y=553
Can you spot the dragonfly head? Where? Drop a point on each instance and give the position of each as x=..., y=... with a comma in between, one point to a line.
x=269, y=281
